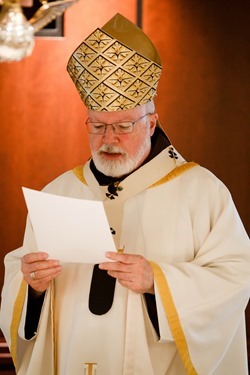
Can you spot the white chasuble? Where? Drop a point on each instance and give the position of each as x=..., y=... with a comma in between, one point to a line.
x=182, y=219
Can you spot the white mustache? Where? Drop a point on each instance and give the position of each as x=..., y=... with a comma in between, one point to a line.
x=110, y=149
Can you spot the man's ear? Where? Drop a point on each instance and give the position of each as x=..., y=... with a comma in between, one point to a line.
x=153, y=122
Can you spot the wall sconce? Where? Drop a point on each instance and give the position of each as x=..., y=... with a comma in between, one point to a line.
x=17, y=33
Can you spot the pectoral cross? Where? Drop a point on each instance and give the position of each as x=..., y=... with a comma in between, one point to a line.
x=90, y=368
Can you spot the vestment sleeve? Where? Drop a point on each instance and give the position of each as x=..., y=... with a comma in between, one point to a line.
x=13, y=280
x=204, y=299
x=14, y=308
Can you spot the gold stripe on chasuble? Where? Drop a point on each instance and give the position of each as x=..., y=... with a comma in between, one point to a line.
x=78, y=171
x=173, y=318
x=16, y=317
x=79, y=174
x=174, y=173
x=52, y=311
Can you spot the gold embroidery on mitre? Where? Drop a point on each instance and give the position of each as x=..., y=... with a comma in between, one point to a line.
x=110, y=76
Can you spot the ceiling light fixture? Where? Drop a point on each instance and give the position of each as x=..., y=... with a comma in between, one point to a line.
x=17, y=33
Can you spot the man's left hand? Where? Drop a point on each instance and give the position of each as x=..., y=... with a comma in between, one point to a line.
x=132, y=271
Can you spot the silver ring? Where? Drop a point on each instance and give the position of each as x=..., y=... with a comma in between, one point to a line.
x=33, y=275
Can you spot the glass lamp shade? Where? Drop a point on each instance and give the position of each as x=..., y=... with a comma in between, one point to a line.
x=16, y=34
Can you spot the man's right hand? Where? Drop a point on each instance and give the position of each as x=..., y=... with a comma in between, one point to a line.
x=38, y=270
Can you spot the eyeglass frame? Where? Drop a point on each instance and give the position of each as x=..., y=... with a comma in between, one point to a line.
x=132, y=123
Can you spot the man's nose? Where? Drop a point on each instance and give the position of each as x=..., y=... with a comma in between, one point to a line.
x=109, y=136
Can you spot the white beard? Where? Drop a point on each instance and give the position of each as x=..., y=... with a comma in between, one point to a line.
x=126, y=164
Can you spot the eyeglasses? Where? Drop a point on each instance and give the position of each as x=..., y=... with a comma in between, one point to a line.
x=123, y=127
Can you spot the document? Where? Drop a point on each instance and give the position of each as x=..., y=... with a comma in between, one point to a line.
x=69, y=229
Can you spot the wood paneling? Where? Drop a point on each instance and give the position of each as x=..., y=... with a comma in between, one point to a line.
x=6, y=363
x=203, y=96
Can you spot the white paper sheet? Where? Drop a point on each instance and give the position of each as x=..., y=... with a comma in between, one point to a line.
x=69, y=229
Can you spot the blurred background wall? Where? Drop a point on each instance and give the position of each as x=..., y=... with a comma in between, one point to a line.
x=203, y=99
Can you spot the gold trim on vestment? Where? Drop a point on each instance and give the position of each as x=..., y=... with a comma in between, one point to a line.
x=79, y=174
x=174, y=173
x=78, y=171
x=52, y=309
x=16, y=318
x=173, y=318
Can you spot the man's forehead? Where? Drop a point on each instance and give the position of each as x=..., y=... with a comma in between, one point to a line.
x=113, y=116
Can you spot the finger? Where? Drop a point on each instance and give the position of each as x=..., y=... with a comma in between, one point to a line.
x=45, y=273
x=34, y=257
x=126, y=284
x=40, y=285
x=43, y=265
x=27, y=268
x=115, y=266
x=125, y=276
x=138, y=286
x=124, y=258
